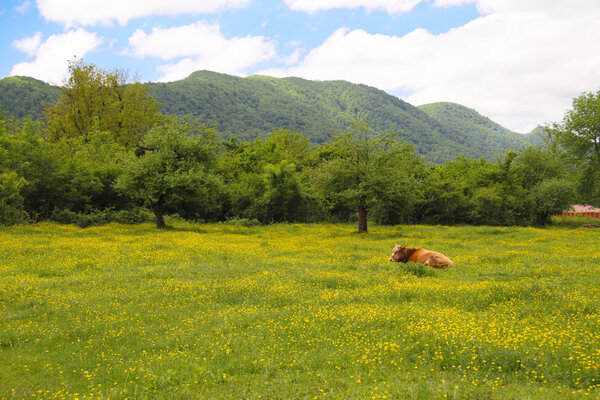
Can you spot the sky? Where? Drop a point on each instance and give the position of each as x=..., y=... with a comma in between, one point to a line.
x=518, y=62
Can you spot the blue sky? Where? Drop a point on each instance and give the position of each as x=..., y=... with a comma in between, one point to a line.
x=518, y=64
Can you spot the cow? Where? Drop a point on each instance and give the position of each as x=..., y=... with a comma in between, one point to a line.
x=423, y=256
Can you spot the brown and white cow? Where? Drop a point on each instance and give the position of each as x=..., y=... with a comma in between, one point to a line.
x=423, y=256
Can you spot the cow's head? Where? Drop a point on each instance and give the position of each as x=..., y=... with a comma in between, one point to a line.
x=399, y=254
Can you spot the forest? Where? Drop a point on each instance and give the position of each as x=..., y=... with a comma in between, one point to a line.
x=104, y=152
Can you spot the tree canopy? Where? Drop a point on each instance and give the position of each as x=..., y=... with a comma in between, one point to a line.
x=93, y=94
x=577, y=138
x=362, y=169
x=175, y=165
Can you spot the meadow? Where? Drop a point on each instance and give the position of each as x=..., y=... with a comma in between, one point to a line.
x=291, y=311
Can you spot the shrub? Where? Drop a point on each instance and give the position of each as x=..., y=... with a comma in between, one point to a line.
x=82, y=220
x=100, y=217
x=247, y=222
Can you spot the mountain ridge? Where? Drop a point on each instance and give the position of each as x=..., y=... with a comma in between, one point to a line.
x=248, y=107
x=22, y=95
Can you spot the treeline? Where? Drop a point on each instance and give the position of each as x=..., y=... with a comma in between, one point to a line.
x=105, y=153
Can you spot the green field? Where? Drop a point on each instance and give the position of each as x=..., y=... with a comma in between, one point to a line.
x=297, y=311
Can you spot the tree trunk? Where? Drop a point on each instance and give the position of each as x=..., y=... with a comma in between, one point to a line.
x=362, y=219
x=158, y=215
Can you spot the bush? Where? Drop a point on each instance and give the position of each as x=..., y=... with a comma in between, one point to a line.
x=100, y=217
x=134, y=216
x=82, y=220
x=243, y=222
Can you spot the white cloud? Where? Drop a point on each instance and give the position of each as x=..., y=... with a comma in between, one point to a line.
x=201, y=46
x=293, y=58
x=520, y=68
x=105, y=12
x=555, y=7
x=451, y=3
x=484, y=6
x=23, y=7
x=52, y=56
x=391, y=6
x=29, y=45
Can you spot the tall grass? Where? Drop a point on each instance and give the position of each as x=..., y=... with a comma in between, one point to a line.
x=297, y=311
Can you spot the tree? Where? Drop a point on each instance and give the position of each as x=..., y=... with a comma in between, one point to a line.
x=360, y=170
x=536, y=164
x=175, y=163
x=94, y=94
x=551, y=197
x=498, y=198
x=581, y=127
x=579, y=135
x=11, y=199
x=83, y=172
x=477, y=192
x=283, y=198
x=19, y=155
x=265, y=177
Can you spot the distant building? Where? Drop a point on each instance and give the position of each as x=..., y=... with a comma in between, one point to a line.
x=579, y=210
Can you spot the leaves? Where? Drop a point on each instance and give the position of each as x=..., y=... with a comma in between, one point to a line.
x=178, y=168
x=363, y=170
x=95, y=96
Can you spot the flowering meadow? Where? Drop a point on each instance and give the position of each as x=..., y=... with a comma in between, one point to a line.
x=297, y=312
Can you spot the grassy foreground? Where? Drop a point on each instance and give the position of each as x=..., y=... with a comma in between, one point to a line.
x=297, y=311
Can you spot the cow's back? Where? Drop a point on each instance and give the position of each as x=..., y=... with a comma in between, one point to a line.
x=430, y=258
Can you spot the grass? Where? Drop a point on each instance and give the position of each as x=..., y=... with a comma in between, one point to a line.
x=297, y=311
x=574, y=221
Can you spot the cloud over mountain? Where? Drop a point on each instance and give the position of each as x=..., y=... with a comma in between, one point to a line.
x=199, y=46
x=50, y=57
x=508, y=63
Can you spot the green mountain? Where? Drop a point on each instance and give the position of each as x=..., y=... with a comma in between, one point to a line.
x=21, y=96
x=483, y=136
x=256, y=105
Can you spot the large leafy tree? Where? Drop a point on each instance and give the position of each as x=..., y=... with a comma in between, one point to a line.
x=551, y=197
x=363, y=168
x=580, y=128
x=94, y=94
x=175, y=163
x=579, y=136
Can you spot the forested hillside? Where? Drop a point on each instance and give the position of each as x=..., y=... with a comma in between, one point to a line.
x=483, y=136
x=255, y=106
x=21, y=96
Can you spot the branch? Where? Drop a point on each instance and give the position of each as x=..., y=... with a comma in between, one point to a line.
x=137, y=144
